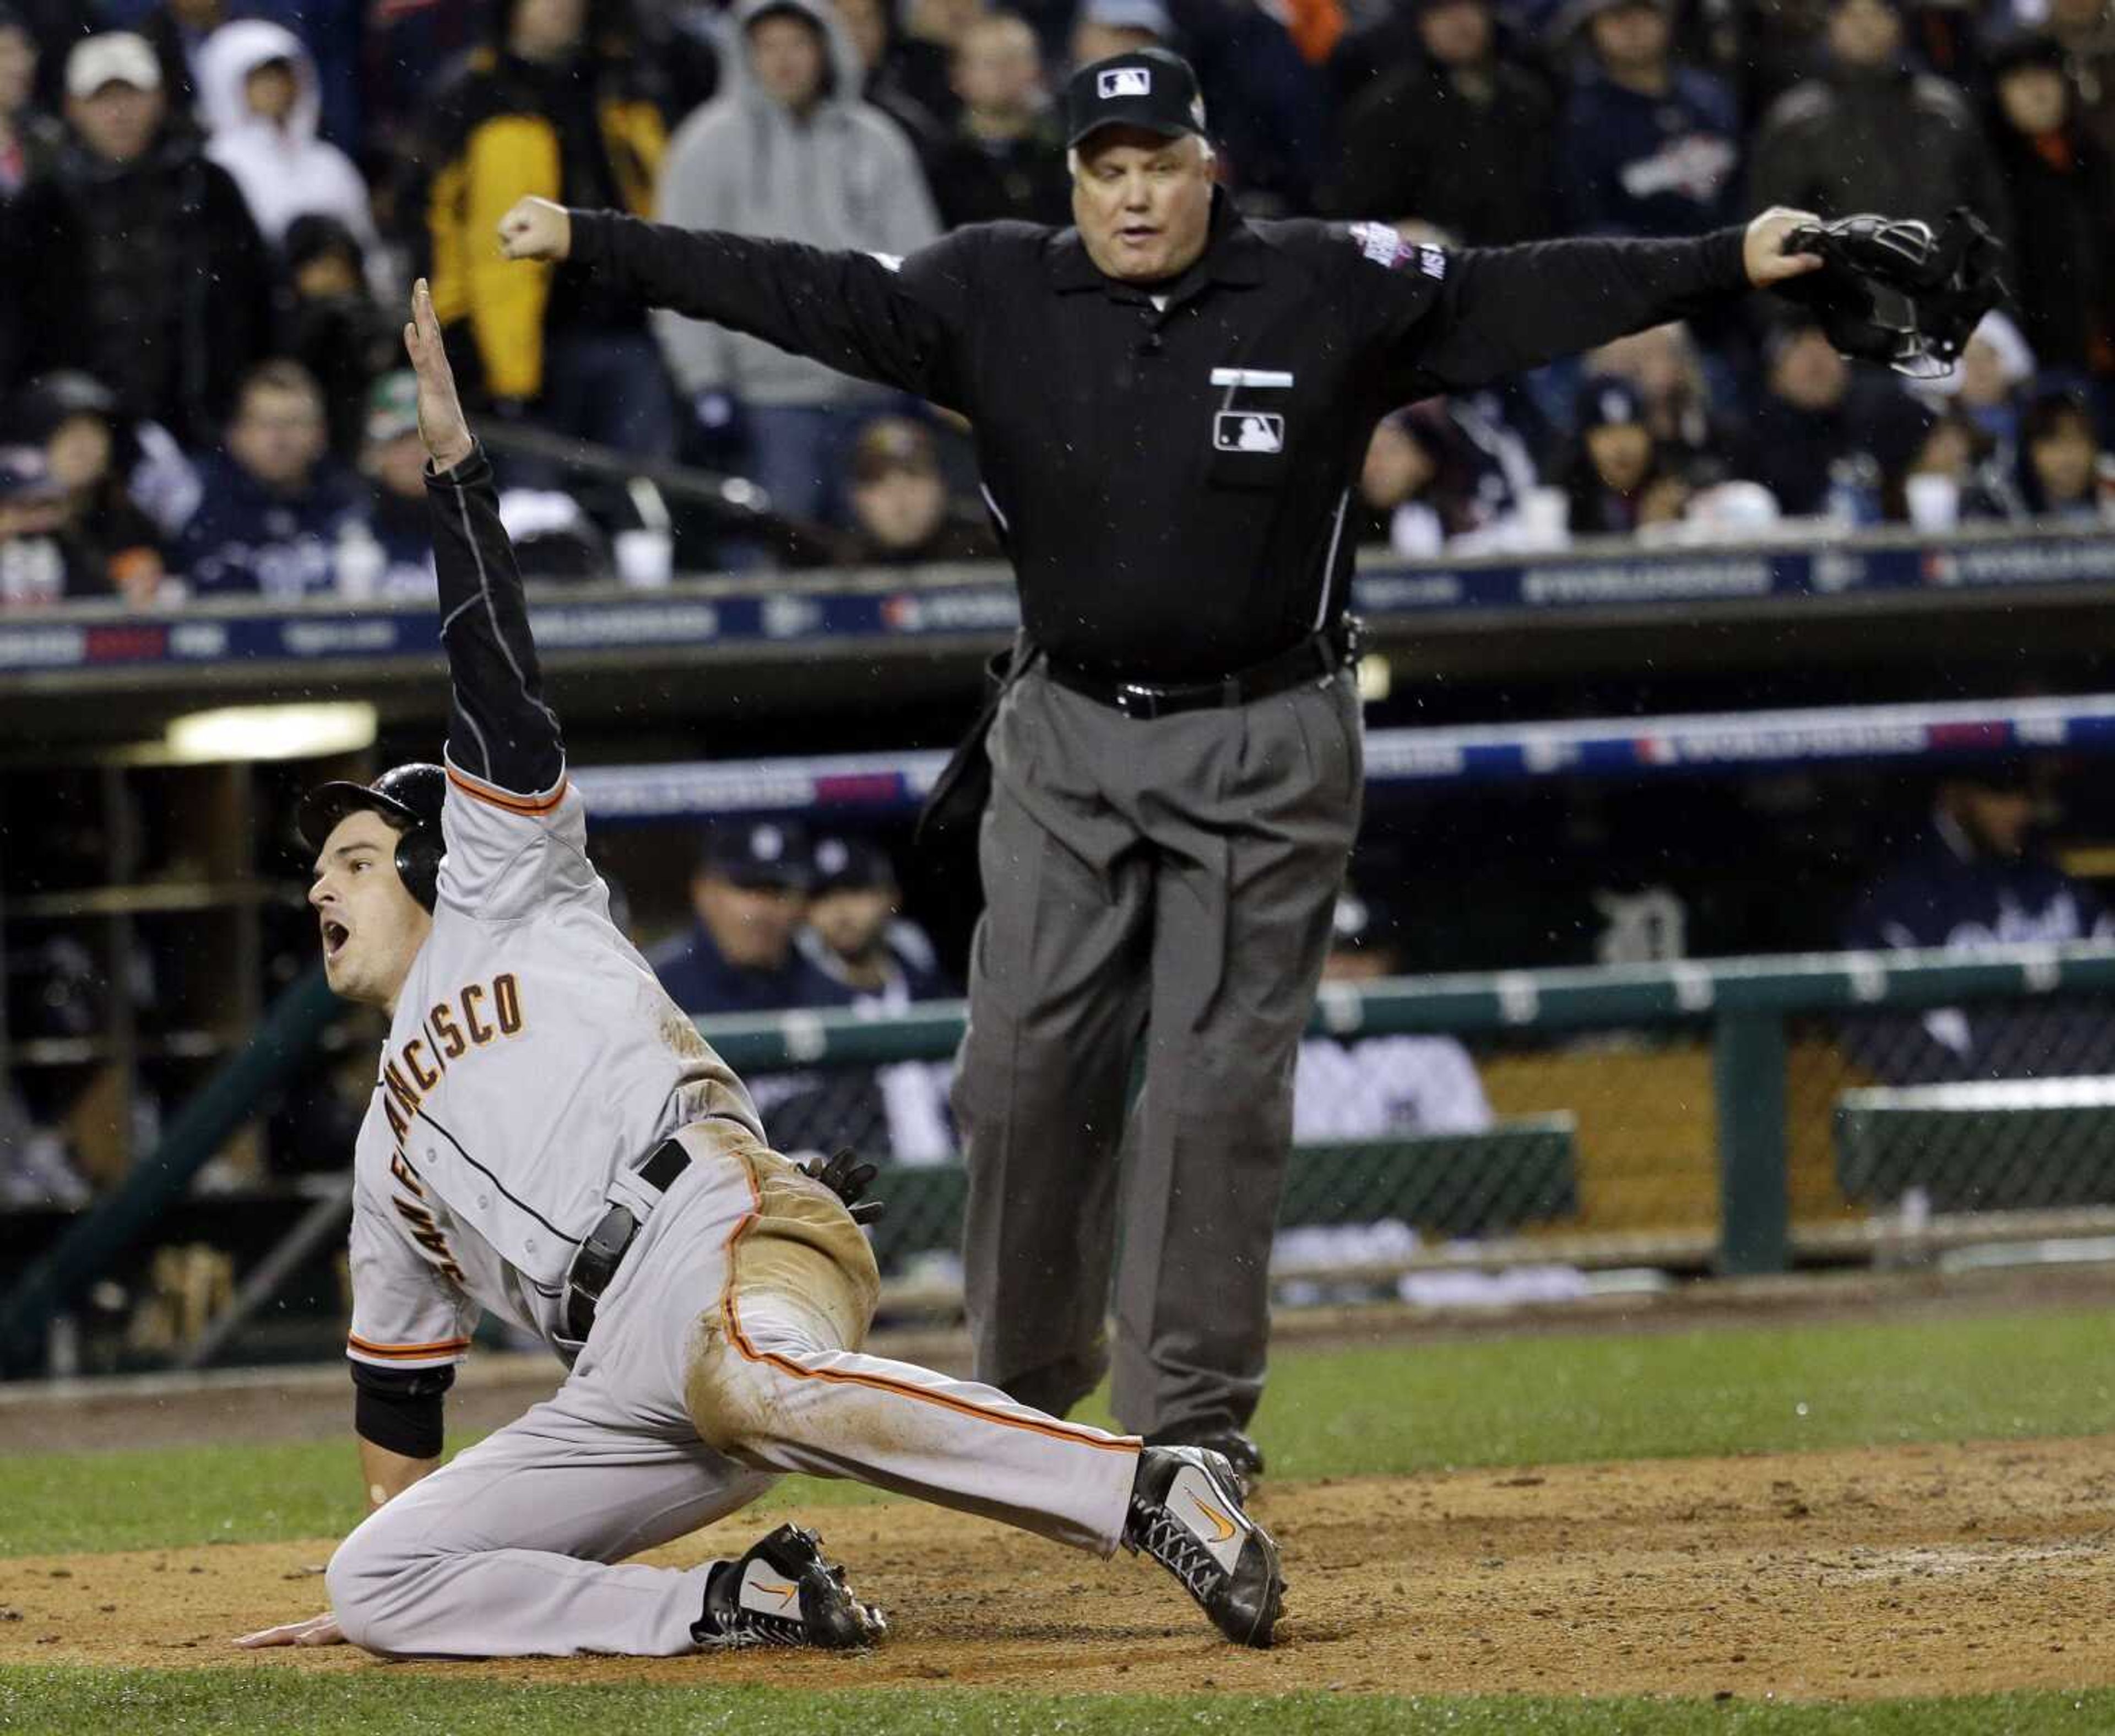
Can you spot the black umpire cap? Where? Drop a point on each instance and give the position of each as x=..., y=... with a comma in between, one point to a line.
x=1149, y=89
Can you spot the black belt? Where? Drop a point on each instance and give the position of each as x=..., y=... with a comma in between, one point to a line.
x=596, y=1263
x=1316, y=658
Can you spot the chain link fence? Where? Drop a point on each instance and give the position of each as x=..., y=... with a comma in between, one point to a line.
x=1986, y=1106
x=1523, y=1130
x=1592, y=1147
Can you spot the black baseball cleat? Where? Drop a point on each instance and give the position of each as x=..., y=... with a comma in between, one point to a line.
x=783, y=1593
x=1230, y=1443
x=1185, y=1513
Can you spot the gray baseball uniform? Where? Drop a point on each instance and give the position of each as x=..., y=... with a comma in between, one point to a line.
x=532, y=1065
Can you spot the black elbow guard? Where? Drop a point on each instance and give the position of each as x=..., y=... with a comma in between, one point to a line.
x=399, y=1409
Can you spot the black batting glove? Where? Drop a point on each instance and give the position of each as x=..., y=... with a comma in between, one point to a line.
x=847, y=1177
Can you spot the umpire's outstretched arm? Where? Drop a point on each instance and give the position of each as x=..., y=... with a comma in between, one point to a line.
x=859, y=313
x=862, y=313
x=500, y=731
x=1500, y=310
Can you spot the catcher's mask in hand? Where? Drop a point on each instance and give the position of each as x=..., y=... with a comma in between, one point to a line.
x=1893, y=291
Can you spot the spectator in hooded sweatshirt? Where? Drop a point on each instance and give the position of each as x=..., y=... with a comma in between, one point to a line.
x=2060, y=181
x=1869, y=134
x=789, y=151
x=275, y=507
x=556, y=105
x=138, y=262
x=259, y=102
x=1459, y=138
x=1006, y=158
x=1647, y=146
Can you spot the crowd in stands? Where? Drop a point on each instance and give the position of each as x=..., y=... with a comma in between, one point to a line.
x=209, y=210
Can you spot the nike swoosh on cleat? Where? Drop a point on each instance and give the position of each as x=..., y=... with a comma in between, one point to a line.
x=1220, y=1522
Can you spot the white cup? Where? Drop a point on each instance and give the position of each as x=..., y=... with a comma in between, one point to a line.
x=646, y=557
x=1545, y=518
x=1934, y=502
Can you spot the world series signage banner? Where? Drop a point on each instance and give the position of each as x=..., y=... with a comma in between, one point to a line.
x=979, y=605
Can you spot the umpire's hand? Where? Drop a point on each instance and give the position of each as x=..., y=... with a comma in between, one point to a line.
x=1768, y=264
x=536, y=229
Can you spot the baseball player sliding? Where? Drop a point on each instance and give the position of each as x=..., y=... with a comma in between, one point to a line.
x=550, y=1139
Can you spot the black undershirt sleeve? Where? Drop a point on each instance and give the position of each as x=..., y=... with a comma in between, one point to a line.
x=399, y=1409
x=499, y=728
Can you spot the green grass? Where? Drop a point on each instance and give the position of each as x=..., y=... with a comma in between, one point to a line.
x=1389, y=1409
x=1370, y=1410
x=60, y=1701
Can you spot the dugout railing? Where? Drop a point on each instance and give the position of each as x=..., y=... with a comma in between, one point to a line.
x=1731, y=1115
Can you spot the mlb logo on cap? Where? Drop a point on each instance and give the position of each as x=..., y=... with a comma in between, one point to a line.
x=1147, y=88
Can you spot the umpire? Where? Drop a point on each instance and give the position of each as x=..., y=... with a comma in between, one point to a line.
x=1171, y=404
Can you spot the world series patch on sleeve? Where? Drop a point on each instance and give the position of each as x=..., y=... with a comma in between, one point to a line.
x=1384, y=246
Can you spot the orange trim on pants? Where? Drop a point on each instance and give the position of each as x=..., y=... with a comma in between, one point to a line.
x=749, y=1353
x=445, y=1347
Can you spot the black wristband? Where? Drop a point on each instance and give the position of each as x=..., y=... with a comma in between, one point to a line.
x=399, y=1410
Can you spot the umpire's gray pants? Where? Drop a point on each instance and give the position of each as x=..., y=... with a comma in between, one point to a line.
x=1174, y=877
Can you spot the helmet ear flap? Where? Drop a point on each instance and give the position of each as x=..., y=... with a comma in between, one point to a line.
x=419, y=864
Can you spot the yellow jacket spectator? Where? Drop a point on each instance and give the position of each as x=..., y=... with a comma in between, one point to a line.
x=556, y=104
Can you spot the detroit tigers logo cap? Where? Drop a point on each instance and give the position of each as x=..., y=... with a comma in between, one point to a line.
x=1149, y=89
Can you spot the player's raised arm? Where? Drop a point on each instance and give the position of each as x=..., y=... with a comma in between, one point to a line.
x=500, y=731
x=898, y=322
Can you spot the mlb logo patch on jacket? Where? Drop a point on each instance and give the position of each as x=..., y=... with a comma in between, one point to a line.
x=1248, y=431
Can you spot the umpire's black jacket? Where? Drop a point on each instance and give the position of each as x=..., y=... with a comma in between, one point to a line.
x=1170, y=466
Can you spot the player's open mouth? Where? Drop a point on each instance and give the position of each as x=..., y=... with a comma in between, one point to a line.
x=335, y=936
x=1137, y=234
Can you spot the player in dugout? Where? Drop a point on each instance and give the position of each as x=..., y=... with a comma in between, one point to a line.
x=551, y=1140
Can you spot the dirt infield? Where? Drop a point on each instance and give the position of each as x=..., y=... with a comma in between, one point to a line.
x=1906, y=1570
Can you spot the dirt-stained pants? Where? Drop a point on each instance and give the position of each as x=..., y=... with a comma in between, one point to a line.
x=725, y=1352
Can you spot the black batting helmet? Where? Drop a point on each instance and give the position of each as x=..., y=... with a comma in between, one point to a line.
x=409, y=797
